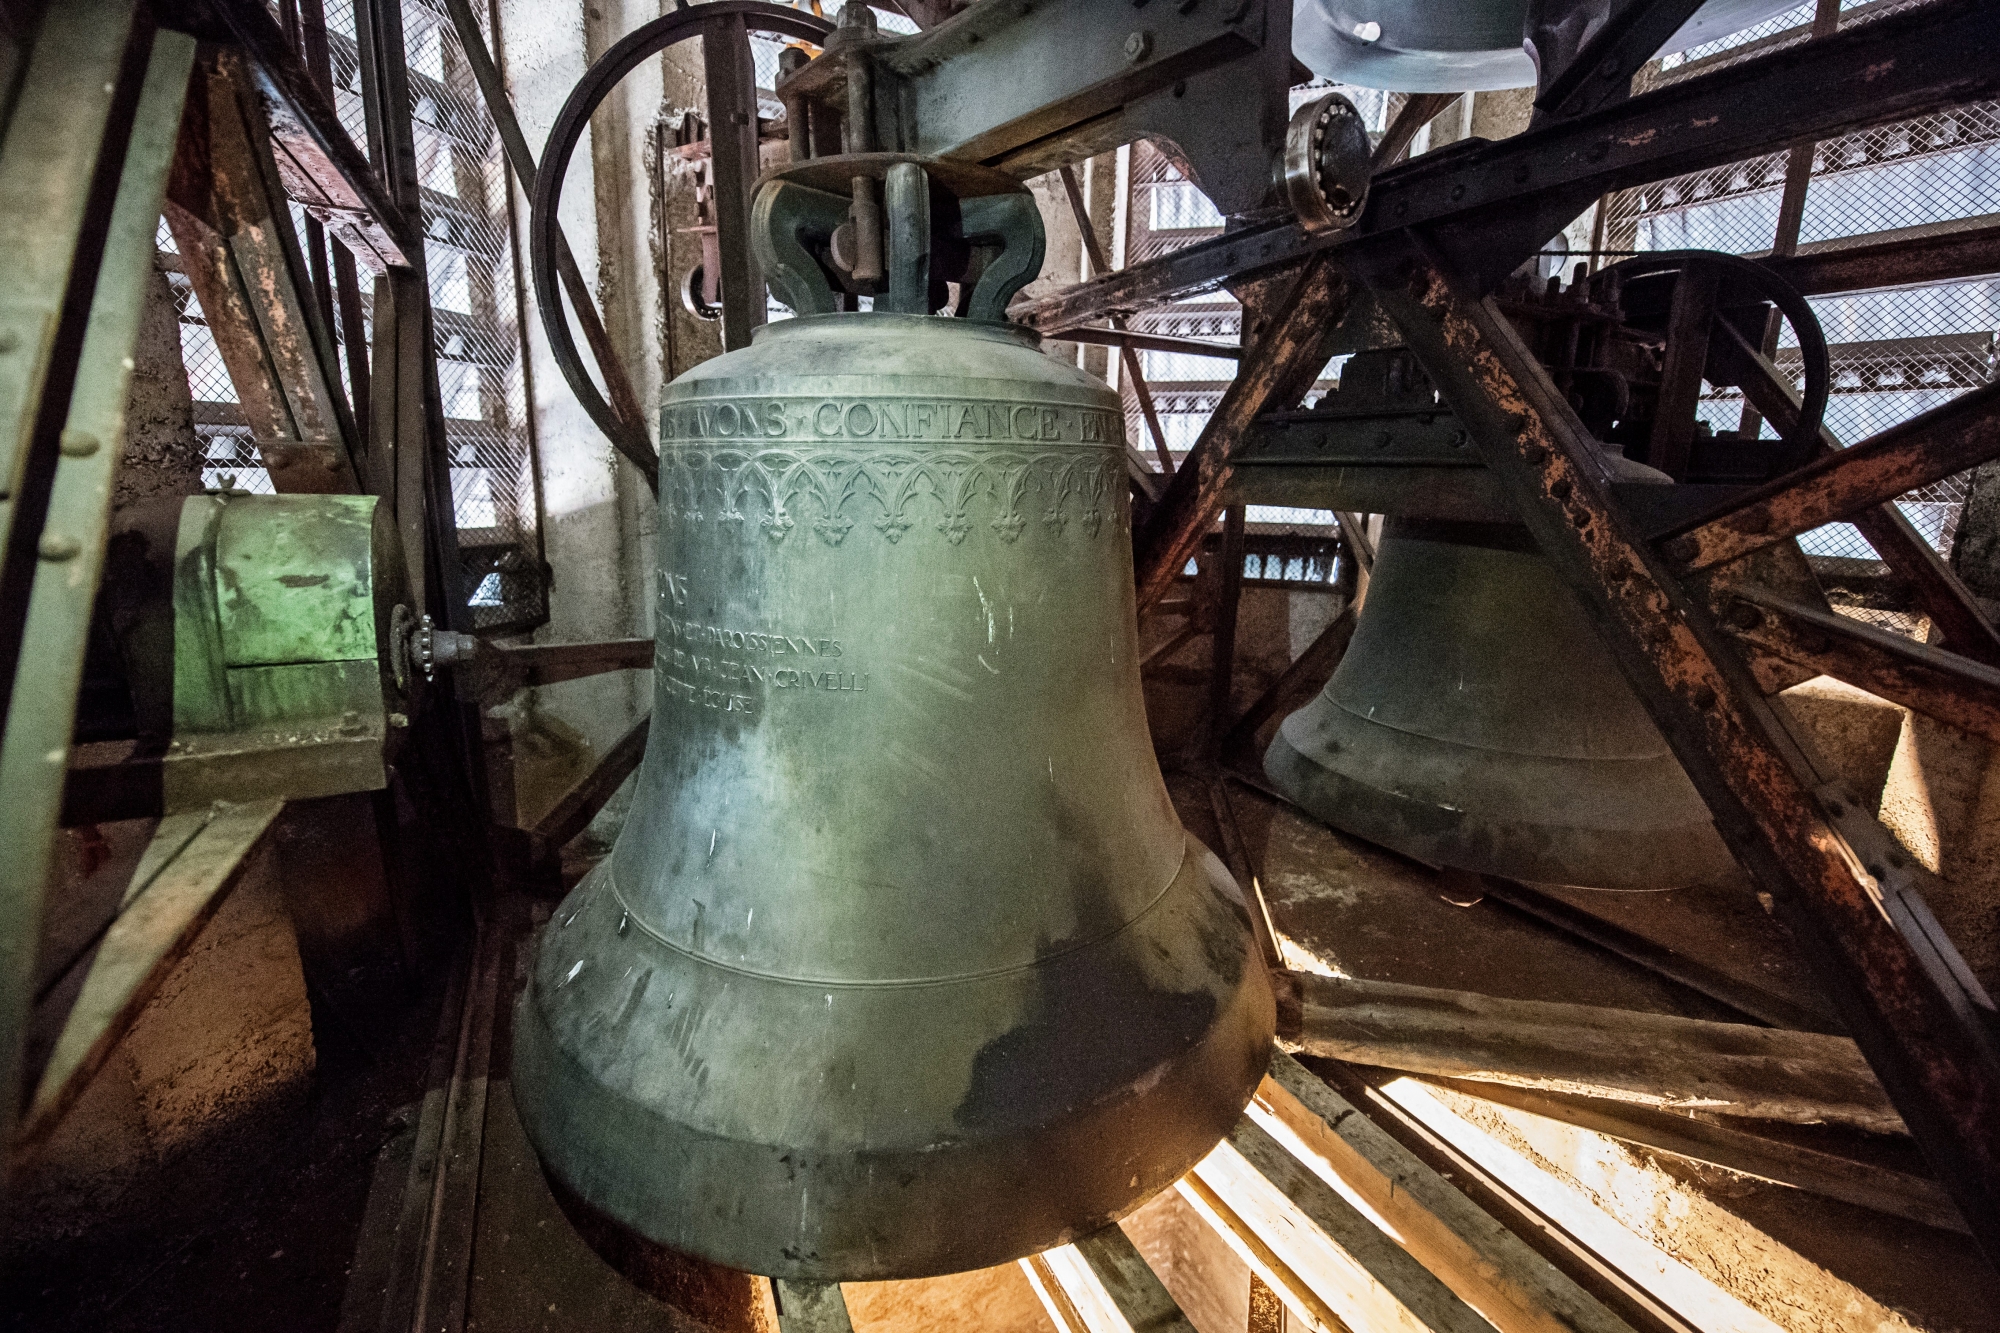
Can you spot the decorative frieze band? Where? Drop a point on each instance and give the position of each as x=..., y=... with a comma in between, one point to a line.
x=834, y=488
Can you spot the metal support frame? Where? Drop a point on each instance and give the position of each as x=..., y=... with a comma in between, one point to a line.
x=1849, y=894
x=1286, y=361
x=232, y=223
x=1080, y=79
x=319, y=163
x=731, y=78
x=82, y=172
x=732, y=19
x=1489, y=204
x=1935, y=588
x=406, y=439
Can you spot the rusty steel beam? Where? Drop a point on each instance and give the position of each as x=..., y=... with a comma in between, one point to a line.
x=1275, y=374
x=1936, y=589
x=1955, y=690
x=1495, y=203
x=1849, y=895
x=1940, y=443
x=320, y=164
x=233, y=227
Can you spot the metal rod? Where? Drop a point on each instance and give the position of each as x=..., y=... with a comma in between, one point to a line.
x=1128, y=358
x=1118, y=336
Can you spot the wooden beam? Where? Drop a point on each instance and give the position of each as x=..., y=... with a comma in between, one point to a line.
x=1685, y=1258
x=580, y=804
x=810, y=1307
x=1484, y=1263
x=1062, y=1309
x=1228, y=556
x=1927, y=448
x=1282, y=366
x=1955, y=690
x=1893, y=259
x=1865, y=1184
x=1132, y=1286
x=193, y=860
x=1298, y=682
x=1650, y=1059
x=1343, y=1256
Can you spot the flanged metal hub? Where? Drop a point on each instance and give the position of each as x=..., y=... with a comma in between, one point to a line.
x=1324, y=172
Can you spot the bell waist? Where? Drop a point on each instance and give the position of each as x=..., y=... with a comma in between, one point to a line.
x=660, y=937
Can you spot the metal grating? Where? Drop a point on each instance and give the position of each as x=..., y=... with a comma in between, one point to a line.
x=1895, y=353
x=469, y=254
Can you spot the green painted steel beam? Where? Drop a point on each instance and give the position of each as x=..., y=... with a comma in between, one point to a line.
x=70, y=550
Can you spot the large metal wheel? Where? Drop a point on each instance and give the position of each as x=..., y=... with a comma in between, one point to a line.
x=724, y=28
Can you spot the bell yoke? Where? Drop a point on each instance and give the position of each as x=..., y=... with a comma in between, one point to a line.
x=902, y=917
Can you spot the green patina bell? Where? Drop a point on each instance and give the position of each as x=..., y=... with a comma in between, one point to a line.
x=903, y=963
x=1477, y=721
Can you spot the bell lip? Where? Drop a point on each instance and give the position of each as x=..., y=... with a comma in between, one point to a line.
x=996, y=329
x=1186, y=1105
x=1690, y=855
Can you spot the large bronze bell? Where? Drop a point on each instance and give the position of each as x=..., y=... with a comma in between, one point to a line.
x=903, y=963
x=1477, y=721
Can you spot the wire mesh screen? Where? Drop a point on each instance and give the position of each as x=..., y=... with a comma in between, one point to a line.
x=1895, y=353
x=1166, y=212
x=473, y=273
x=471, y=263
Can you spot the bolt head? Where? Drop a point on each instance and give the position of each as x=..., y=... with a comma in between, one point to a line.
x=56, y=547
x=1138, y=46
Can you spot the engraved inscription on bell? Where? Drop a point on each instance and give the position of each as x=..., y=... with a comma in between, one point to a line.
x=892, y=464
x=902, y=963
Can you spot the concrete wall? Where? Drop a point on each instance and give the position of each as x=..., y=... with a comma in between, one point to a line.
x=1935, y=787
x=598, y=510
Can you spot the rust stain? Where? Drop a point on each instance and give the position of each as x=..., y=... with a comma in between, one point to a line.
x=1704, y=122
x=1641, y=139
x=1876, y=71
